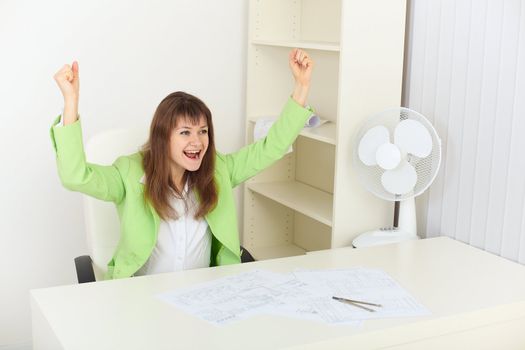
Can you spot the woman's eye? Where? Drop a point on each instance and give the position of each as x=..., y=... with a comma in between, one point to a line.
x=185, y=132
x=204, y=132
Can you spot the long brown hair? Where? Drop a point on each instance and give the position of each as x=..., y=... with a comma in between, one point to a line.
x=156, y=156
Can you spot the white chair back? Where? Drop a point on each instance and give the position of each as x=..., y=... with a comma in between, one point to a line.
x=101, y=218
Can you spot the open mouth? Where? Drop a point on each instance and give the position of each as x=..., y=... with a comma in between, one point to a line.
x=193, y=155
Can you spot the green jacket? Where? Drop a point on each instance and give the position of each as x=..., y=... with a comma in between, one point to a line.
x=120, y=183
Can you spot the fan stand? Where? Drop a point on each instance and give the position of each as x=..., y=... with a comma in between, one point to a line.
x=404, y=227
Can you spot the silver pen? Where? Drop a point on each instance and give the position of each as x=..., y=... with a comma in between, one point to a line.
x=357, y=303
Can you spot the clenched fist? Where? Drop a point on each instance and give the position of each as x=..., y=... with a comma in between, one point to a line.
x=301, y=65
x=67, y=80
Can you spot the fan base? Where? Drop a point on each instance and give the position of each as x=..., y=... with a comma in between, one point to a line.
x=382, y=236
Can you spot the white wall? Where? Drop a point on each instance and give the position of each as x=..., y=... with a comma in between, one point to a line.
x=466, y=73
x=131, y=55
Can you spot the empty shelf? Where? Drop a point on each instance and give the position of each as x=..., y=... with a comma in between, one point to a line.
x=305, y=199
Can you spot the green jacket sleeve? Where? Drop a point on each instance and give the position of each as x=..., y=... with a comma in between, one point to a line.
x=251, y=159
x=102, y=182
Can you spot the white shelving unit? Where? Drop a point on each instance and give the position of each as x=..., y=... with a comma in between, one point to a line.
x=311, y=199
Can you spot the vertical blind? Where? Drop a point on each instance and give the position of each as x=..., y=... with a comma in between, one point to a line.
x=465, y=71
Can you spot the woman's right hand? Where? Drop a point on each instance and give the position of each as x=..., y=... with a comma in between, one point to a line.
x=67, y=79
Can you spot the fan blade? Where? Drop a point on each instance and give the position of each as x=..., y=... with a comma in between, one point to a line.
x=412, y=137
x=370, y=142
x=400, y=180
x=388, y=156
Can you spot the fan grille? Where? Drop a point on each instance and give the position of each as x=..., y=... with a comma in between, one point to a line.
x=426, y=168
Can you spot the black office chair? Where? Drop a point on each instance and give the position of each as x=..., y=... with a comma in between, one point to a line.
x=246, y=257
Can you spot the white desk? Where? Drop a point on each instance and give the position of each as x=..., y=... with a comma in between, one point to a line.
x=477, y=302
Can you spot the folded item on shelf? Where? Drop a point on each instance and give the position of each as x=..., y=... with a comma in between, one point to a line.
x=314, y=120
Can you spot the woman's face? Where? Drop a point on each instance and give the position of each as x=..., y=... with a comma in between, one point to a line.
x=188, y=144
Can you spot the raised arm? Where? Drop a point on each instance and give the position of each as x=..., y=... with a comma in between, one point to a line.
x=253, y=158
x=100, y=181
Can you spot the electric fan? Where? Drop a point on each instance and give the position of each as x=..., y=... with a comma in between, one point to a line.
x=397, y=156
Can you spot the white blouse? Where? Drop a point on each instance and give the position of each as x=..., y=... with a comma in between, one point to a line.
x=182, y=244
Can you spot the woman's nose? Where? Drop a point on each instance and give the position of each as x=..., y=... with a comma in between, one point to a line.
x=195, y=140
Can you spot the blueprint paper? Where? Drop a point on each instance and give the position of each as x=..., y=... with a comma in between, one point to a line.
x=303, y=294
x=227, y=299
x=370, y=285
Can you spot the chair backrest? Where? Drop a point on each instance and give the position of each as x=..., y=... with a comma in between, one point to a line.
x=101, y=218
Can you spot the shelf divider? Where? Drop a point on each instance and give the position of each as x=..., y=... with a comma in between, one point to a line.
x=310, y=45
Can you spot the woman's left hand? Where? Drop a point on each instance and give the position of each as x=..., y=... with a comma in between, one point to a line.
x=301, y=65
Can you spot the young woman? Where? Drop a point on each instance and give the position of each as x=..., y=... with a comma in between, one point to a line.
x=174, y=198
